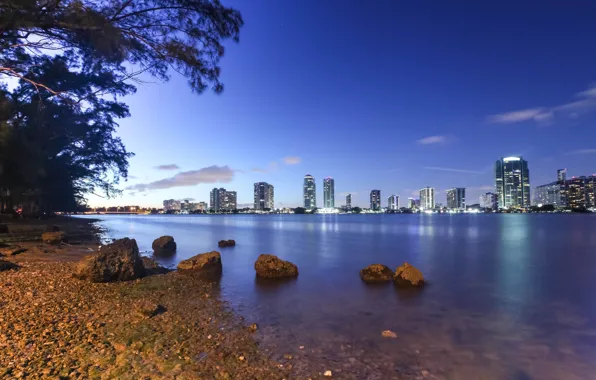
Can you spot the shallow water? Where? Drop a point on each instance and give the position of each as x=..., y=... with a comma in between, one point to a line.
x=509, y=296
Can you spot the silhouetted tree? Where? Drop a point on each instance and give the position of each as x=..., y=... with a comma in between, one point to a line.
x=356, y=210
x=299, y=210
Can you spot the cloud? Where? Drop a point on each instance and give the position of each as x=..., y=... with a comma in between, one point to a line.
x=482, y=188
x=548, y=114
x=210, y=174
x=273, y=166
x=583, y=151
x=292, y=160
x=432, y=140
x=132, y=177
x=167, y=167
x=453, y=170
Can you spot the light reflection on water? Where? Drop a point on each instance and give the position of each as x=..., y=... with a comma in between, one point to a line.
x=509, y=296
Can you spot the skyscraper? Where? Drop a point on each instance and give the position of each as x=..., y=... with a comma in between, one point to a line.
x=427, y=198
x=411, y=203
x=263, y=196
x=172, y=205
x=456, y=198
x=221, y=200
x=328, y=193
x=576, y=192
x=561, y=175
x=489, y=200
x=310, y=192
x=393, y=202
x=512, y=182
x=349, y=201
x=375, y=200
x=591, y=191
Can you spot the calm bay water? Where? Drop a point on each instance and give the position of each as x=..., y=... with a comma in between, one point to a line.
x=509, y=296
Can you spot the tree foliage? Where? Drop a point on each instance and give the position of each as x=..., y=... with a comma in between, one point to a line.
x=73, y=60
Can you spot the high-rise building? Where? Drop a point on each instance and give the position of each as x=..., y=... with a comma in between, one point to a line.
x=427, y=198
x=456, y=198
x=411, y=203
x=203, y=206
x=591, y=191
x=375, y=200
x=551, y=194
x=561, y=175
x=172, y=205
x=512, y=182
x=263, y=196
x=576, y=192
x=310, y=192
x=328, y=193
x=349, y=201
x=222, y=200
x=489, y=200
x=393, y=202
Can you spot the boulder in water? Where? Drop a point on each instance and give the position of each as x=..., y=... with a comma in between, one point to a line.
x=53, y=238
x=270, y=266
x=226, y=243
x=153, y=267
x=164, y=244
x=407, y=275
x=119, y=261
x=204, y=262
x=376, y=273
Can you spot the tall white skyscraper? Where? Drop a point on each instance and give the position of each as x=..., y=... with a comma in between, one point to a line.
x=427, y=198
x=456, y=198
x=310, y=192
x=393, y=202
x=512, y=182
x=328, y=192
x=349, y=201
x=263, y=196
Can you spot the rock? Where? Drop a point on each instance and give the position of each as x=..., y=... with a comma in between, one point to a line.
x=328, y=373
x=226, y=243
x=407, y=275
x=53, y=238
x=12, y=251
x=153, y=267
x=376, y=273
x=270, y=266
x=52, y=228
x=7, y=265
x=4, y=229
x=148, y=309
x=204, y=262
x=253, y=328
x=388, y=334
x=119, y=261
x=164, y=244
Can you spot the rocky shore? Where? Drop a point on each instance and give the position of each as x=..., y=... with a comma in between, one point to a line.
x=171, y=325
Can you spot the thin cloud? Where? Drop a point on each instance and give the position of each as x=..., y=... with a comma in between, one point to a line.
x=583, y=151
x=273, y=166
x=210, y=174
x=168, y=167
x=548, y=114
x=432, y=140
x=482, y=188
x=292, y=160
x=452, y=170
x=132, y=177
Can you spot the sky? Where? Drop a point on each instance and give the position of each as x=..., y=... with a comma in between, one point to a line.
x=384, y=94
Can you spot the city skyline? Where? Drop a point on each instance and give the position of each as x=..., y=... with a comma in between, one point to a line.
x=445, y=117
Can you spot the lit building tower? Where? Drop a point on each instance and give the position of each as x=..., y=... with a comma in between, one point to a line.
x=456, y=198
x=489, y=200
x=263, y=196
x=561, y=175
x=222, y=200
x=349, y=201
x=411, y=203
x=214, y=199
x=328, y=193
x=427, y=198
x=591, y=191
x=576, y=192
x=512, y=182
x=393, y=202
x=375, y=200
x=310, y=192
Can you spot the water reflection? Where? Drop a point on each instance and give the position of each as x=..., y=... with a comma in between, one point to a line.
x=508, y=295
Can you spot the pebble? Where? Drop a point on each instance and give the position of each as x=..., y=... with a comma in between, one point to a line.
x=328, y=373
x=388, y=334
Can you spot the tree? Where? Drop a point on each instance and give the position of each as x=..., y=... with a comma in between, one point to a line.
x=299, y=210
x=356, y=210
x=152, y=36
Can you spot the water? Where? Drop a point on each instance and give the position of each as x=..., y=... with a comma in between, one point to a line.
x=508, y=296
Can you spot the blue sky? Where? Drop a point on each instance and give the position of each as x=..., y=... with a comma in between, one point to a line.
x=383, y=95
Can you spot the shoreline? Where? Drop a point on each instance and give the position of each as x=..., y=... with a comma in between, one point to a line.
x=161, y=326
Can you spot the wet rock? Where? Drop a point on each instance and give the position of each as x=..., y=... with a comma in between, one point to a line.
x=226, y=243
x=270, y=266
x=388, y=334
x=4, y=229
x=164, y=244
x=119, y=261
x=204, y=262
x=7, y=265
x=12, y=251
x=407, y=275
x=376, y=273
x=153, y=267
x=52, y=228
x=53, y=238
